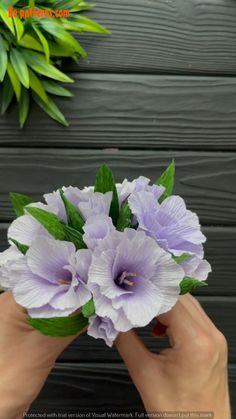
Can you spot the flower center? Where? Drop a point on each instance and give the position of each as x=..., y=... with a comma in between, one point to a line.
x=63, y=282
x=123, y=279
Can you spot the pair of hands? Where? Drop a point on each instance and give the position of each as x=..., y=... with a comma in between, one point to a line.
x=189, y=376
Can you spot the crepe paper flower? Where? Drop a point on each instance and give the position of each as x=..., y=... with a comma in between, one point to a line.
x=175, y=228
x=51, y=279
x=132, y=279
x=195, y=267
x=103, y=328
x=8, y=260
x=96, y=229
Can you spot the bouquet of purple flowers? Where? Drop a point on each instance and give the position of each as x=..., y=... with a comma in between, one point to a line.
x=107, y=258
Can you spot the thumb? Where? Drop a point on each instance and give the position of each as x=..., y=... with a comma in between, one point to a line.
x=133, y=352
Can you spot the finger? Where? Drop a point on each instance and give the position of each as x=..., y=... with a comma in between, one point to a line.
x=132, y=351
x=206, y=319
x=180, y=323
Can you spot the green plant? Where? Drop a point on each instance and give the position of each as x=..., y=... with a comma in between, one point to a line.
x=32, y=49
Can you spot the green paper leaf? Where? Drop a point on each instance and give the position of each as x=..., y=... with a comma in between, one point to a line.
x=19, y=27
x=19, y=202
x=182, y=258
x=59, y=326
x=125, y=217
x=21, y=247
x=74, y=218
x=14, y=80
x=7, y=20
x=105, y=182
x=88, y=309
x=23, y=106
x=3, y=59
x=74, y=236
x=20, y=67
x=7, y=94
x=188, y=284
x=50, y=221
x=87, y=25
x=28, y=41
x=51, y=109
x=167, y=180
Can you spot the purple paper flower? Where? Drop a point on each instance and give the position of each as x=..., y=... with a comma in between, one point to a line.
x=8, y=262
x=51, y=278
x=102, y=327
x=141, y=184
x=132, y=279
x=196, y=268
x=175, y=228
x=97, y=228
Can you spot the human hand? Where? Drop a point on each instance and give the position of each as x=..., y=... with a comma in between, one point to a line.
x=26, y=358
x=189, y=376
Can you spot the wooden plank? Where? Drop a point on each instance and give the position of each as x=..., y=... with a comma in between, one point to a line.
x=206, y=180
x=89, y=388
x=164, y=36
x=135, y=111
x=220, y=309
x=220, y=251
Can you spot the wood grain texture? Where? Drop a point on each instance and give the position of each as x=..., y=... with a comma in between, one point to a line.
x=220, y=309
x=164, y=36
x=135, y=111
x=220, y=251
x=206, y=180
x=84, y=388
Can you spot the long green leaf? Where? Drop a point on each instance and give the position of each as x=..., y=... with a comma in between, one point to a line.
x=19, y=28
x=37, y=86
x=182, y=258
x=49, y=221
x=88, y=309
x=14, y=80
x=23, y=106
x=28, y=41
x=3, y=59
x=44, y=42
x=167, y=180
x=20, y=67
x=73, y=216
x=59, y=326
x=38, y=63
x=105, y=182
x=7, y=20
x=188, y=284
x=87, y=25
x=75, y=237
x=51, y=109
x=19, y=202
x=55, y=88
x=7, y=94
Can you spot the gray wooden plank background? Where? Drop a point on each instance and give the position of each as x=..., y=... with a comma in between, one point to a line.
x=162, y=86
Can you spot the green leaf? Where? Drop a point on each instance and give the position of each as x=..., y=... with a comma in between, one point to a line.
x=1, y=290
x=38, y=63
x=74, y=236
x=37, y=86
x=21, y=247
x=125, y=217
x=7, y=94
x=59, y=326
x=188, y=284
x=167, y=180
x=3, y=59
x=19, y=202
x=20, y=67
x=88, y=309
x=50, y=221
x=105, y=182
x=51, y=109
x=14, y=80
x=7, y=20
x=44, y=42
x=182, y=257
x=88, y=25
x=19, y=27
x=28, y=41
x=74, y=218
x=23, y=106
x=55, y=88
